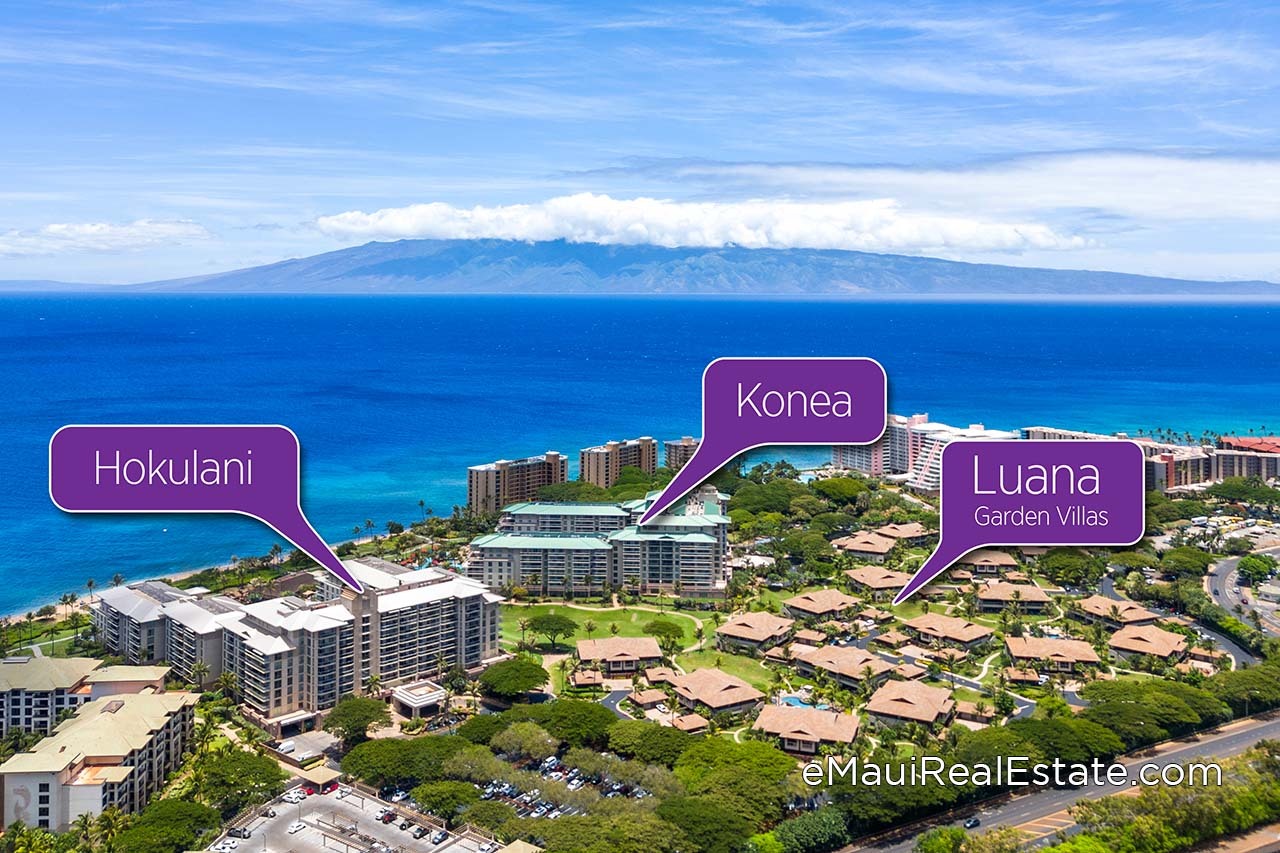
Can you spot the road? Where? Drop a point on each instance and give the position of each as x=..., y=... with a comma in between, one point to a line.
x=1225, y=643
x=611, y=702
x=1232, y=739
x=1222, y=582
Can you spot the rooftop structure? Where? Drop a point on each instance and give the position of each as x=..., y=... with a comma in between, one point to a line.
x=1114, y=611
x=1148, y=640
x=756, y=629
x=911, y=702
x=494, y=485
x=803, y=729
x=1056, y=654
x=719, y=691
x=948, y=630
x=620, y=655
x=819, y=603
x=603, y=463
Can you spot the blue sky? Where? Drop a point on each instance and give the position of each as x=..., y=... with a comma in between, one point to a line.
x=145, y=140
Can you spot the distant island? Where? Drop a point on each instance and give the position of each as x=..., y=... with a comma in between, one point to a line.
x=561, y=267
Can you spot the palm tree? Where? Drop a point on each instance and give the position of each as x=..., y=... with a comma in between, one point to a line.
x=590, y=627
x=275, y=552
x=368, y=526
x=199, y=672
x=117, y=579
x=614, y=629
x=523, y=625
x=372, y=683
x=699, y=633
x=110, y=824
x=90, y=585
x=227, y=683
x=82, y=829
x=205, y=734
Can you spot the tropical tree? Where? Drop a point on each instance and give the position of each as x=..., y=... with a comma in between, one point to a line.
x=117, y=579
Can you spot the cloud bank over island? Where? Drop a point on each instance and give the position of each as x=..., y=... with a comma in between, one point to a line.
x=874, y=225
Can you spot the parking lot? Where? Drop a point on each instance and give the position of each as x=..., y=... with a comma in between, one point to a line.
x=347, y=824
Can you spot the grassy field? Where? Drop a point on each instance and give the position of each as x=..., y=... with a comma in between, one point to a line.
x=630, y=622
x=748, y=669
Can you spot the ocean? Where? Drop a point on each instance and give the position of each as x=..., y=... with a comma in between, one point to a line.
x=393, y=397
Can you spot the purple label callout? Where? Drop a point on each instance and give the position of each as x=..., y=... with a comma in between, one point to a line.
x=753, y=402
x=1035, y=493
x=250, y=470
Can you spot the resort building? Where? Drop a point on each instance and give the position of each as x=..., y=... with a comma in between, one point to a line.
x=603, y=463
x=1050, y=654
x=36, y=691
x=593, y=519
x=939, y=630
x=892, y=454
x=880, y=584
x=865, y=545
x=494, y=485
x=293, y=658
x=129, y=621
x=1140, y=640
x=620, y=656
x=694, y=724
x=680, y=554
x=925, y=473
x=899, y=702
x=804, y=730
x=546, y=564
x=717, y=691
x=754, y=631
x=1113, y=612
x=116, y=751
x=1025, y=598
x=848, y=666
x=677, y=452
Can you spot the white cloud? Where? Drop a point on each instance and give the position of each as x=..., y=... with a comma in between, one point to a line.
x=1145, y=187
x=878, y=225
x=60, y=238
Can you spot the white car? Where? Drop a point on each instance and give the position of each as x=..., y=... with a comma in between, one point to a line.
x=296, y=827
x=230, y=844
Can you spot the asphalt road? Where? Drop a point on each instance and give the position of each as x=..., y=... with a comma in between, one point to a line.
x=1223, y=642
x=1223, y=580
x=1232, y=740
x=611, y=702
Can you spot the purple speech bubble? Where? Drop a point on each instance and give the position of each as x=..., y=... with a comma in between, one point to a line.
x=249, y=470
x=1035, y=493
x=754, y=402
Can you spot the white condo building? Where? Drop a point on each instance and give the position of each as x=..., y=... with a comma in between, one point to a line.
x=910, y=450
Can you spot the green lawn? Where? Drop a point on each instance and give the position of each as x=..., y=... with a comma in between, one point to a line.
x=748, y=669
x=630, y=622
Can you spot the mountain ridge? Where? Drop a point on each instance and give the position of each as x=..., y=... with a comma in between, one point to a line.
x=558, y=267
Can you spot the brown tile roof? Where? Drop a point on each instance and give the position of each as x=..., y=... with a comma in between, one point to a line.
x=1028, y=593
x=960, y=575
x=865, y=542
x=1046, y=648
x=690, y=722
x=820, y=602
x=849, y=661
x=806, y=724
x=911, y=700
x=1017, y=577
x=910, y=530
x=875, y=614
x=910, y=670
x=1148, y=640
x=1100, y=606
x=716, y=689
x=952, y=655
x=587, y=678
x=756, y=626
x=1013, y=673
x=788, y=651
x=659, y=675
x=971, y=709
x=874, y=577
x=810, y=636
x=647, y=697
x=988, y=557
x=892, y=638
x=619, y=649
x=945, y=627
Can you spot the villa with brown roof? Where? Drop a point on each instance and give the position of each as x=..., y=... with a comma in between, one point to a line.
x=913, y=532
x=848, y=665
x=1137, y=640
x=899, y=702
x=987, y=561
x=877, y=582
x=909, y=671
x=648, y=698
x=692, y=723
x=818, y=604
x=866, y=545
x=1015, y=675
x=587, y=678
x=755, y=631
x=787, y=651
x=804, y=730
x=892, y=639
x=1114, y=612
x=659, y=675
x=620, y=655
x=1055, y=655
x=939, y=629
x=810, y=637
x=1027, y=598
x=719, y=691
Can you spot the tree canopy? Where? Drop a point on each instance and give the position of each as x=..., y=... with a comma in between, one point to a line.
x=511, y=678
x=352, y=717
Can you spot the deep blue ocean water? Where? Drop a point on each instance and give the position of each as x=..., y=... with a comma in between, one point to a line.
x=394, y=396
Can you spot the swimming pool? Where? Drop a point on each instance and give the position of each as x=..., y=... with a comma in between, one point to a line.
x=797, y=702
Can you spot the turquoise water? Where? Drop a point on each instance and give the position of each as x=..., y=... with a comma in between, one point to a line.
x=394, y=396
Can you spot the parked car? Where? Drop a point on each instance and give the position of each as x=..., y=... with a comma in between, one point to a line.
x=296, y=827
x=238, y=832
x=419, y=831
x=972, y=823
x=438, y=836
